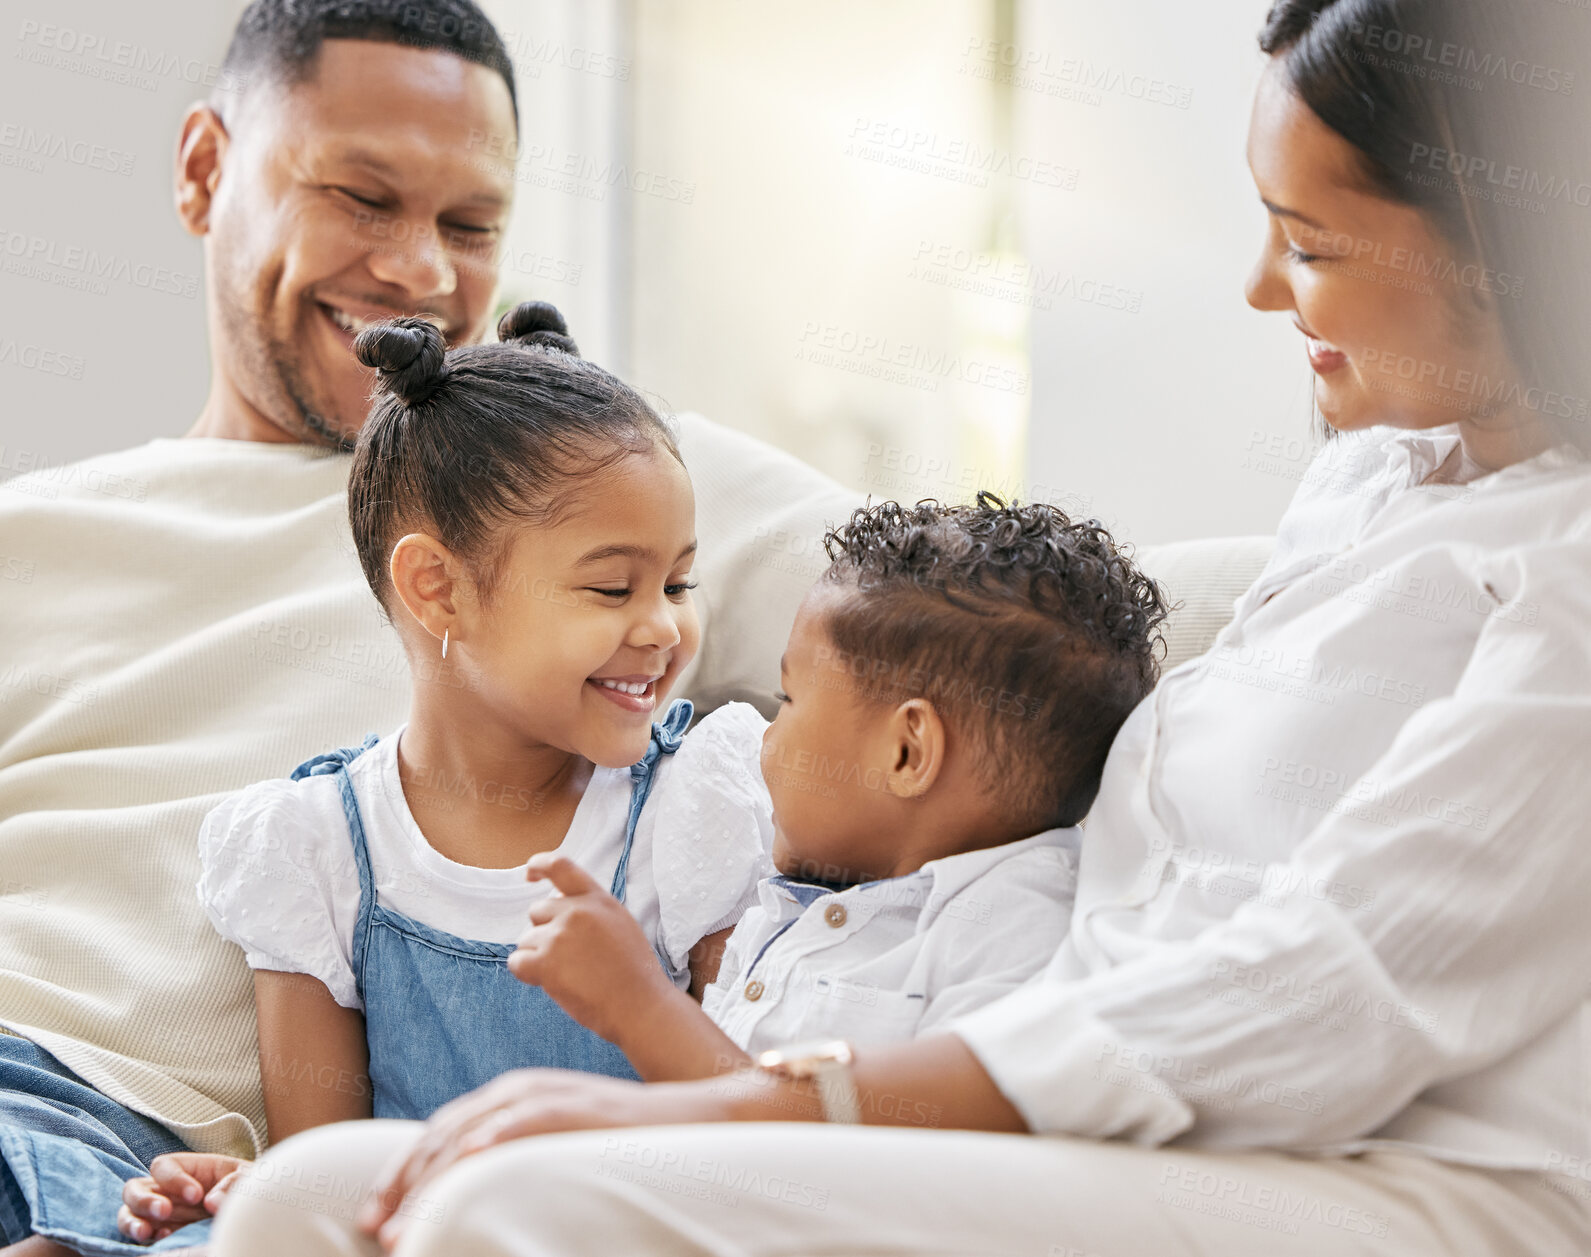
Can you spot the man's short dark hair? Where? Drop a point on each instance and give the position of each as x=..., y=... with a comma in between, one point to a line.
x=279, y=40
x=1033, y=636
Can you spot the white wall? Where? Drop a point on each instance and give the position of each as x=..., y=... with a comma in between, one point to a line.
x=797, y=219
x=1153, y=416
x=135, y=357
x=822, y=144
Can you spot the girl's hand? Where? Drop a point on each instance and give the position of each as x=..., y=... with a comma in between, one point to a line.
x=513, y=1106
x=181, y=1187
x=587, y=952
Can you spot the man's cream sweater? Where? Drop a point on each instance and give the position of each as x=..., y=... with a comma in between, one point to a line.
x=185, y=618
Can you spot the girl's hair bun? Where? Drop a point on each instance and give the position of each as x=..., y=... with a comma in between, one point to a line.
x=537, y=323
x=409, y=353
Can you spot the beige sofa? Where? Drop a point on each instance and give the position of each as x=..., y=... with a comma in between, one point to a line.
x=1202, y=579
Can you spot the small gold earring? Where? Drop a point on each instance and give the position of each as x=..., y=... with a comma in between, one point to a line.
x=445, y=632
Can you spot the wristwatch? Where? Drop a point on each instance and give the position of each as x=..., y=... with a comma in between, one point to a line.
x=827, y=1065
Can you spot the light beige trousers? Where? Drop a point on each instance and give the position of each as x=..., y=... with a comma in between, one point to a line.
x=783, y=1190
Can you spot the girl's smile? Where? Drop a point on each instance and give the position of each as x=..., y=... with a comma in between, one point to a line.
x=631, y=693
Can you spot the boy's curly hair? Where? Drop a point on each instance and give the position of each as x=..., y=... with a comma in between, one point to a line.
x=1033, y=636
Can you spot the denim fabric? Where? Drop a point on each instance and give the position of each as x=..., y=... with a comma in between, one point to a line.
x=65, y=1152
x=443, y=1015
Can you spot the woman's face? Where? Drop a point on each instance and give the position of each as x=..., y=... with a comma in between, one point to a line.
x=1398, y=328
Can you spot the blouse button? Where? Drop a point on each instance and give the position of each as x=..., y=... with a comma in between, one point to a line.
x=754, y=990
x=834, y=914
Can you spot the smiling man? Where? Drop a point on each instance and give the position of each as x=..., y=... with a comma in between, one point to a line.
x=349, y=193
x=197, y=619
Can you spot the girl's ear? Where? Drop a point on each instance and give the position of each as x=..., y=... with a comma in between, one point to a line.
x=918, y=738
x=428, y=581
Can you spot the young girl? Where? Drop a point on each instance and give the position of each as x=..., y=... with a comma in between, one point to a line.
x=527, y=523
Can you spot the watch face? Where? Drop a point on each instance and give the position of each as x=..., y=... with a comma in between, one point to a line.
x=802, y=1060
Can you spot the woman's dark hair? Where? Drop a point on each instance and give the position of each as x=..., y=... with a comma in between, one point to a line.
x=1033, y=636
x=459, y=444
x=1472, y=111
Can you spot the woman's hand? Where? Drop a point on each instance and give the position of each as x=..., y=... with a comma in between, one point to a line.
x=526, y=1102
x=933, y=1082
x=587, y=952
x=181, y=1187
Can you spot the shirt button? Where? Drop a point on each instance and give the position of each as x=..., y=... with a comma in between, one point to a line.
x=834, y=914
x=754, y=990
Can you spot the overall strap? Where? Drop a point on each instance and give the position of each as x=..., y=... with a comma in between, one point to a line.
x=335, y=763
x=667, y=734
x=332, y=761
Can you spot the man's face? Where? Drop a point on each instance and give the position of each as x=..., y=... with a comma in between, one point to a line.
x=351, y=197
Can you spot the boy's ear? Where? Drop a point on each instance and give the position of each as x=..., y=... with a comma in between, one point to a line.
x=427, y=580
x=917, y=736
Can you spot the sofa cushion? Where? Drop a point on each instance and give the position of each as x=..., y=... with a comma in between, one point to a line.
x=1201, y=580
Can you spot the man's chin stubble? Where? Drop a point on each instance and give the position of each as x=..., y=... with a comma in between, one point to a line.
x=314, y=428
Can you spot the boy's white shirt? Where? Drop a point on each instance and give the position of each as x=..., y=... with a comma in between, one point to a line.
x=279, y=877
x=888, y=960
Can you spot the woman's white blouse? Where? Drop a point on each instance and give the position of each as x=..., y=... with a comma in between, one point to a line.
x=888, y=960
x=1336, y=890
x=279, y=880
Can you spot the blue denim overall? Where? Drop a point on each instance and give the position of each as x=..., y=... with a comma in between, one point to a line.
x=443, y=1015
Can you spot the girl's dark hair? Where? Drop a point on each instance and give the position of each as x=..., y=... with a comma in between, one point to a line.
x=459, y=444
x=1472, y=111
x=1033, y=635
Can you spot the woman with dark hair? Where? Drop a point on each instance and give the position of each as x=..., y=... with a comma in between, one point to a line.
x=1327, y=977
